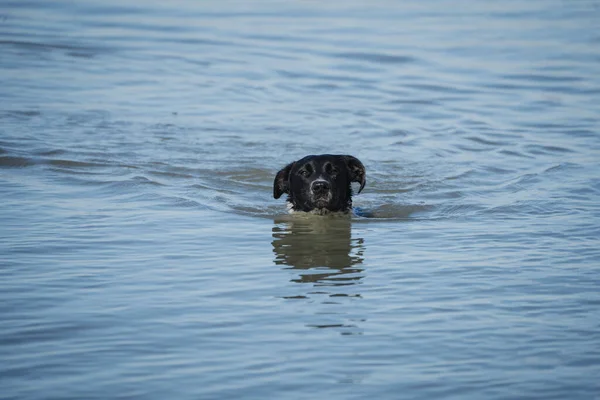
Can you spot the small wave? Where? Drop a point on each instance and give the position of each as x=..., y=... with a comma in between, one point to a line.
x=487, y=142
x=390, y=212
x=15, y=162
x=545, y=149
x=71, y=50
x=24, y=113
x=142, y=180
x=513, y=153
x=168, y=174
x=75, y=164
x=49, y=153
x=542, y=78
x=181, y=202
x=378, y=58
x=536, y=208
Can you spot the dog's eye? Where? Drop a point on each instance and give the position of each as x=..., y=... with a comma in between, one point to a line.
x=305, y=173
x=331, y=170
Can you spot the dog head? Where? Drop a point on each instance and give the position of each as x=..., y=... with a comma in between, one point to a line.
x=320, y=183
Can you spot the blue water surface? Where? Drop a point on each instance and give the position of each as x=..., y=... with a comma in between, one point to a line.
x=142, y=255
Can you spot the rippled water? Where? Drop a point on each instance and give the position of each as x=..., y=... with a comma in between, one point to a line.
x=143, y=256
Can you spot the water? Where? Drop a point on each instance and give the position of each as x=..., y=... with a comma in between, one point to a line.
x=143, y=256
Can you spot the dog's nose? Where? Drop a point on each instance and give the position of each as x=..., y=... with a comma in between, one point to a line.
x=320, y=186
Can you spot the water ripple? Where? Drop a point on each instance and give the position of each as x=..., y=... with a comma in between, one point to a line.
x=377, y=58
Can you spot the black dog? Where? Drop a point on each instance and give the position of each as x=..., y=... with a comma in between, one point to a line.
x=320, y=184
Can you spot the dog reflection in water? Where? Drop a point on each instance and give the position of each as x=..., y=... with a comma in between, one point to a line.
x=321, y=245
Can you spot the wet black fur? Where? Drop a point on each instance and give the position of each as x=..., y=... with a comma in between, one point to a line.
x=320, y=183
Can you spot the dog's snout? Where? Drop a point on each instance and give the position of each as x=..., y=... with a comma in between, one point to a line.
x=321, y=186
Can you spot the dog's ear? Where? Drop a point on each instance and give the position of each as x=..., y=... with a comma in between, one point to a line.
x=281, y=183
x=356, y=170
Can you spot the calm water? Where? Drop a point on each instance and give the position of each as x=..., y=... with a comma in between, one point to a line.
x=143, y=256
